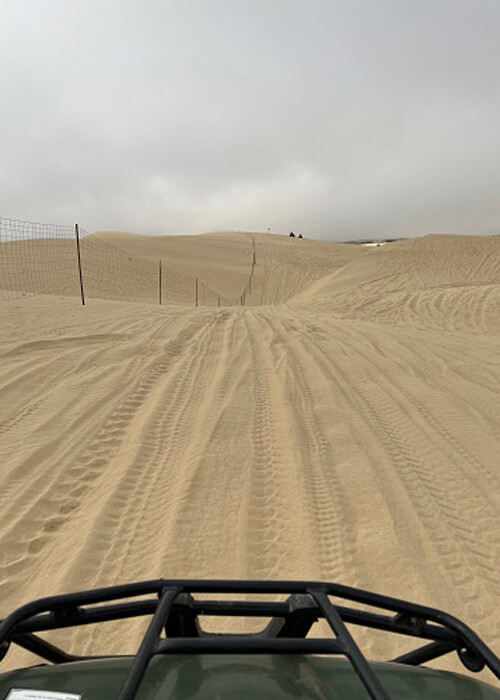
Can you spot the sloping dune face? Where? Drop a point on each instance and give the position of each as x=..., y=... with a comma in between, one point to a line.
x=432, y=282
x=223, y=261
x=343, y=425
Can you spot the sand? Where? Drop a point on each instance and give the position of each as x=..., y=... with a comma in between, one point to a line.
x=344, y=426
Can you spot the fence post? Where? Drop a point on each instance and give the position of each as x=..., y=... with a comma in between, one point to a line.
x=218, y=300
x=79, y=257
x=159, y=282
x=196, y=294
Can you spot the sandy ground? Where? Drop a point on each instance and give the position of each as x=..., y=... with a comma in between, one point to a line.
x=344, y=426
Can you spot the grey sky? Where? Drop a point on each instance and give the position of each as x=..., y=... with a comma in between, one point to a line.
x=339, y=119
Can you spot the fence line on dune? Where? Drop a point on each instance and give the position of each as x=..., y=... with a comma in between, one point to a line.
x=67, y=260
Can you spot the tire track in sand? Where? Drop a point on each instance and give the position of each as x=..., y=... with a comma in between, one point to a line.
x=57, y=505
x=328, y=507
x=437, y=505
x=268, y=547
x=155, y=490
x=455, y=496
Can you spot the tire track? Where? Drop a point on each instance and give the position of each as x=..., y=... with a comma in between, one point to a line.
x=65, y=492
x=332, y=519
x=462, y=553
x=268, y=548
x=156, y=484
x=461, y=499
x=122, y=499
x=207, y=494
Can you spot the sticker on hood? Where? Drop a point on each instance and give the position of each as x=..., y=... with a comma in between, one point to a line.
x=30, y=694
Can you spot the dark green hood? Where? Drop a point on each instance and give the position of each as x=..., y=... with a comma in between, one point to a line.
x=230, y=677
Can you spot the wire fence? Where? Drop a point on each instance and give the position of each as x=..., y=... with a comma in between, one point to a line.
x=38, y=258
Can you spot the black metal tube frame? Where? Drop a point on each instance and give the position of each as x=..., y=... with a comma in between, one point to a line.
x=176, y=611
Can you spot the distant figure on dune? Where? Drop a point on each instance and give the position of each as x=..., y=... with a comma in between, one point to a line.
x=292, y=235
x=300, y=235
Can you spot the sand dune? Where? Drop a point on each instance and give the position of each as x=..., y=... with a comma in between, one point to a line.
x=343, y=426
x=223, y=260
x=436, y=281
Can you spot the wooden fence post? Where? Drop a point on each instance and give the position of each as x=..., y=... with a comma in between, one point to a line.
x=159, y=282
x=79, y=257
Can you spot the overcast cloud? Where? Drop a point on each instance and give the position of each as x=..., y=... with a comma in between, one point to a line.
x=343, y=119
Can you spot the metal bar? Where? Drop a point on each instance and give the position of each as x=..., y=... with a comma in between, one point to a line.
x=468, y=637
x=196, y=293
x=87, y=616
x=249, y=645
x=351, y=649
x=424, y=654
x=392, y=624
x=413, y=620
x=236, y=608
x=219, y=586
x=78, y=254
x=148, y=645
x=63, y=602
x=44, y=649
x=232, y=586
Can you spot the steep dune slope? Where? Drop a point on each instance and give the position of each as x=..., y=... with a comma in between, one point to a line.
x=349, y=434
x=436, y=281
